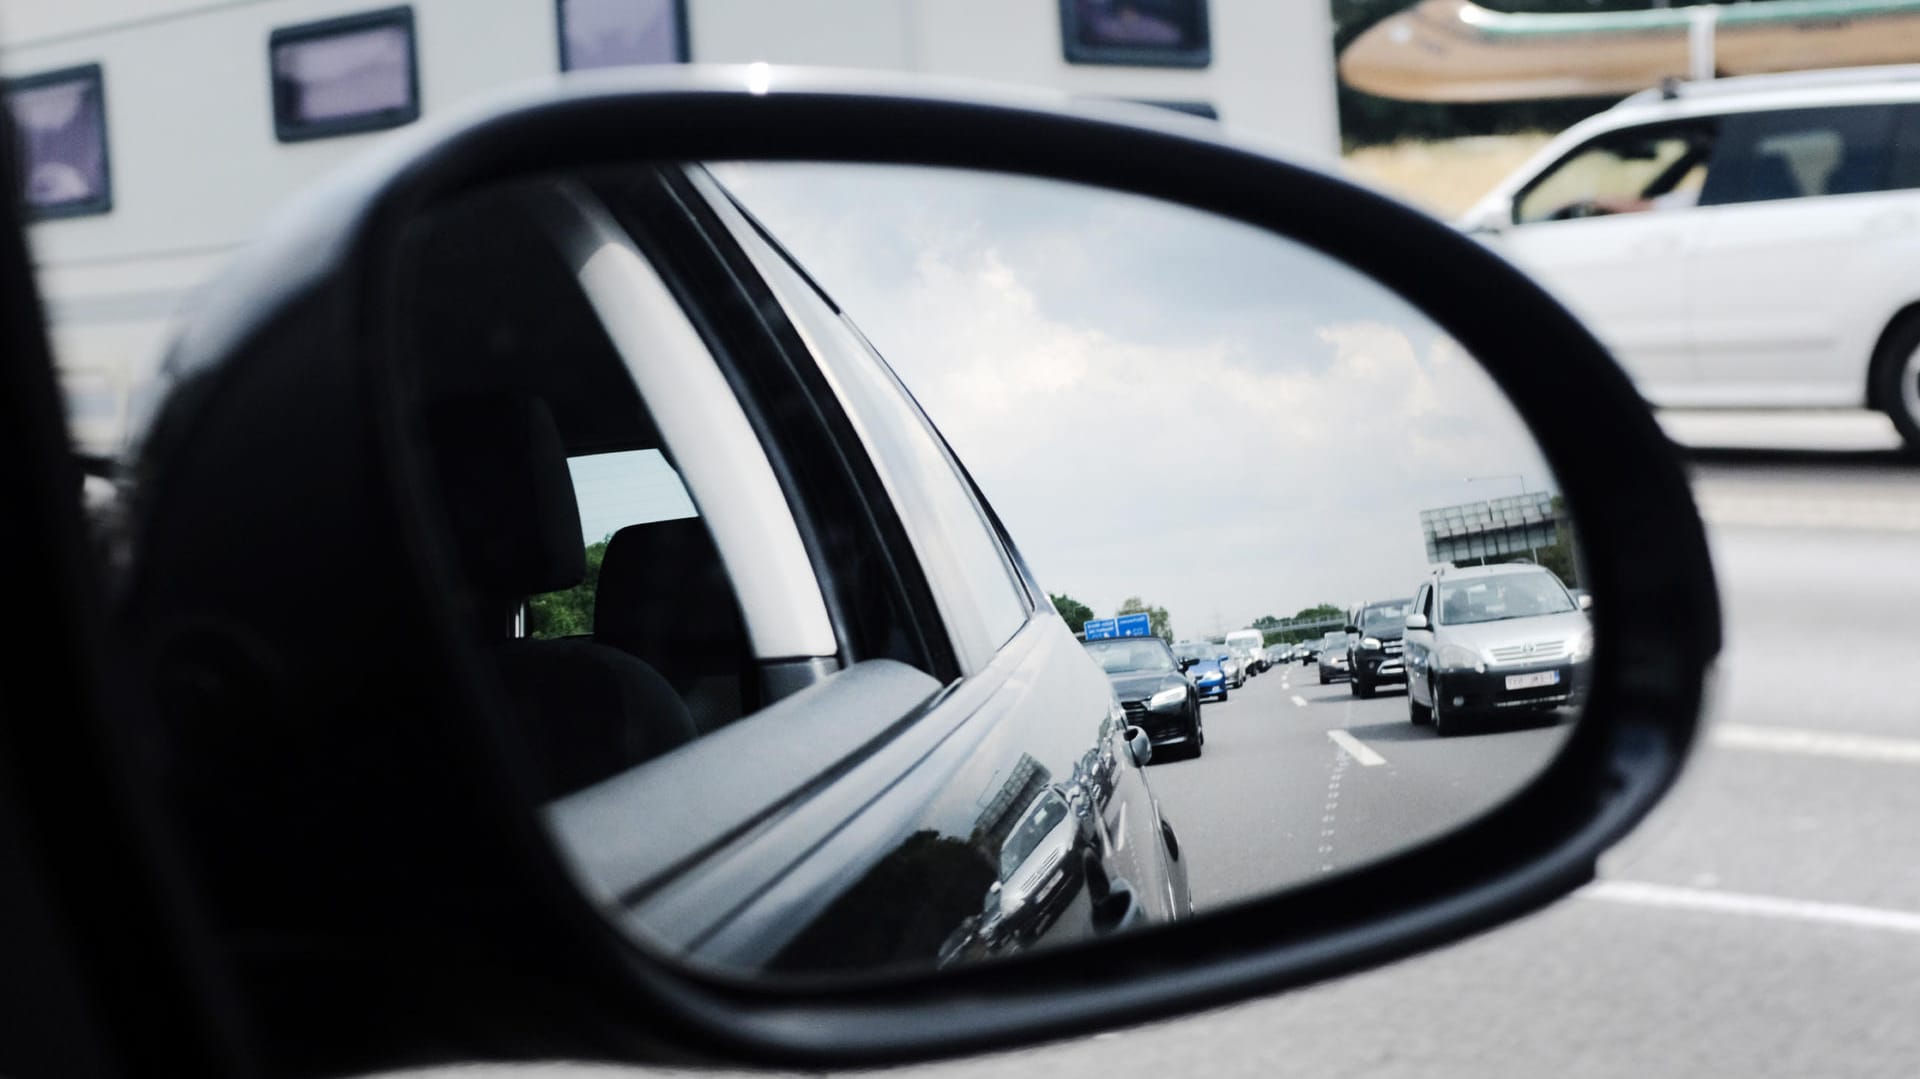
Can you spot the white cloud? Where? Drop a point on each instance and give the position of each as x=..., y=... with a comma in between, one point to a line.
x=1157, y=402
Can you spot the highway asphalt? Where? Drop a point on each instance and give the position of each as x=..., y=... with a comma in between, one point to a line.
x=1300, y=779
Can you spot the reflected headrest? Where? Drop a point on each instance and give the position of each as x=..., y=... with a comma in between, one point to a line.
x=503, y=476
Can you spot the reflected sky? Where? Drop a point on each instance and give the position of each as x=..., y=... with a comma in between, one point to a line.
x=1158, y=402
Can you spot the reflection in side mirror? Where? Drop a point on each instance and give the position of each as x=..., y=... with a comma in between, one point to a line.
x=1140, y=746
x=1416, y=621
x=1009, y=310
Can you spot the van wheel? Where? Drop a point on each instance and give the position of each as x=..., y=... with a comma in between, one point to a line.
x=1894, y=386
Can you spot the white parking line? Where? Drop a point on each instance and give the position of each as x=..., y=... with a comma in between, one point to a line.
x=1670, y=897
x=1299, y=700
x=1860, y=747
x=1356, y=749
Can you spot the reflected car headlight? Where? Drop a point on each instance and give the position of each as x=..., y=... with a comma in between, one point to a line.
x=1582, y=647
x=1371, y=644
x=1170, y=697
x=1453, y=657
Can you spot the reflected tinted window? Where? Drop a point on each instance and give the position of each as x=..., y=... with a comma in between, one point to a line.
x=1386, y=615
x=1146, y=32
x=344, y=76
x=615, y=33
x=60, y=121
x=1501, y=597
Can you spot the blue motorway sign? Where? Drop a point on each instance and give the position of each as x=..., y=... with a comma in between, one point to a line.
x=1127, y=625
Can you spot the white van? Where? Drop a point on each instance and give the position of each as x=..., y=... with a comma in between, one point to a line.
x=1739, y=243
x=1251, y=646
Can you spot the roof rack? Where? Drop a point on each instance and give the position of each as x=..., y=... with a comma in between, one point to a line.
x=1733, y=85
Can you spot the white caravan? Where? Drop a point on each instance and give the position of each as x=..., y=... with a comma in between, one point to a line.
x=159, y=133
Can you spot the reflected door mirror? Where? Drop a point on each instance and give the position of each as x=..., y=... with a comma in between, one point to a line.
x=1417, y=621
x=1140, y=747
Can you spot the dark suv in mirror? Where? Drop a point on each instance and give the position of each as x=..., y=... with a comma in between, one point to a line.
x=1374, y=646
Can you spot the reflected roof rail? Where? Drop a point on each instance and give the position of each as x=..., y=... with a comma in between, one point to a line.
x=1735, y=85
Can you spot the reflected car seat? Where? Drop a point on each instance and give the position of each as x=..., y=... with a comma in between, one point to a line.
x=588, y=712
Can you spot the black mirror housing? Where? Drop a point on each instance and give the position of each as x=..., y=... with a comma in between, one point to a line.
x=287, y=370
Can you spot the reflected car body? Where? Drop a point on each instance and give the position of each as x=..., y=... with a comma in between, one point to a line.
x=1375, y=645
x=1042, y=868
x=1491, y=639
x=1204, y=669
x=1154, y=693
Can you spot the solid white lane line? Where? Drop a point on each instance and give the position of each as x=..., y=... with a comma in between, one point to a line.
x=1801, y=511
x=1860, y=747
x=1301, y=701
x=1670, y=897
x=1356, y=749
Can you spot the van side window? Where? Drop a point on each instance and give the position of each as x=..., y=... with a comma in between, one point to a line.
x=60, y=122
x=344, y=76
x=618, y=33
x=1800, y=153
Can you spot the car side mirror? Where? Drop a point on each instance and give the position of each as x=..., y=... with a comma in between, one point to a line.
x=1586, y=602
x=1416, y=621
x=1187, y=664
x=1353, y=629
x=1139, y=746
x=399, y=369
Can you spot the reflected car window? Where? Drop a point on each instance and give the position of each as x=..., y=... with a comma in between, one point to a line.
x=1491, y=599
x=1129, y=656
x=1047, y=812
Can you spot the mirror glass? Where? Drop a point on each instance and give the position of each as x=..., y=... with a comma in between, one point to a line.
x=969, y=560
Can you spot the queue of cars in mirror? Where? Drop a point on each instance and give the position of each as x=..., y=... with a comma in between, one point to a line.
x=1473, y=642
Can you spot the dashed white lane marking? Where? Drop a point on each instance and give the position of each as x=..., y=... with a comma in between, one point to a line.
x=1670, y=897
x=1356, y=749
x=1301, y=701
x=1860, y=747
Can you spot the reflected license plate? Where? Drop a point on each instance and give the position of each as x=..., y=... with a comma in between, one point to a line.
x=1529, y=681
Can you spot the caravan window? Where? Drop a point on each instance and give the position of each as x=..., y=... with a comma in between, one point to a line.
x=60, y=120
x=1151, y=33
x=615, y=33
x=344, y=76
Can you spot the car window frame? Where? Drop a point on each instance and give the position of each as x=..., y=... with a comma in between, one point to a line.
x=960, y=619
x=809, y=439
